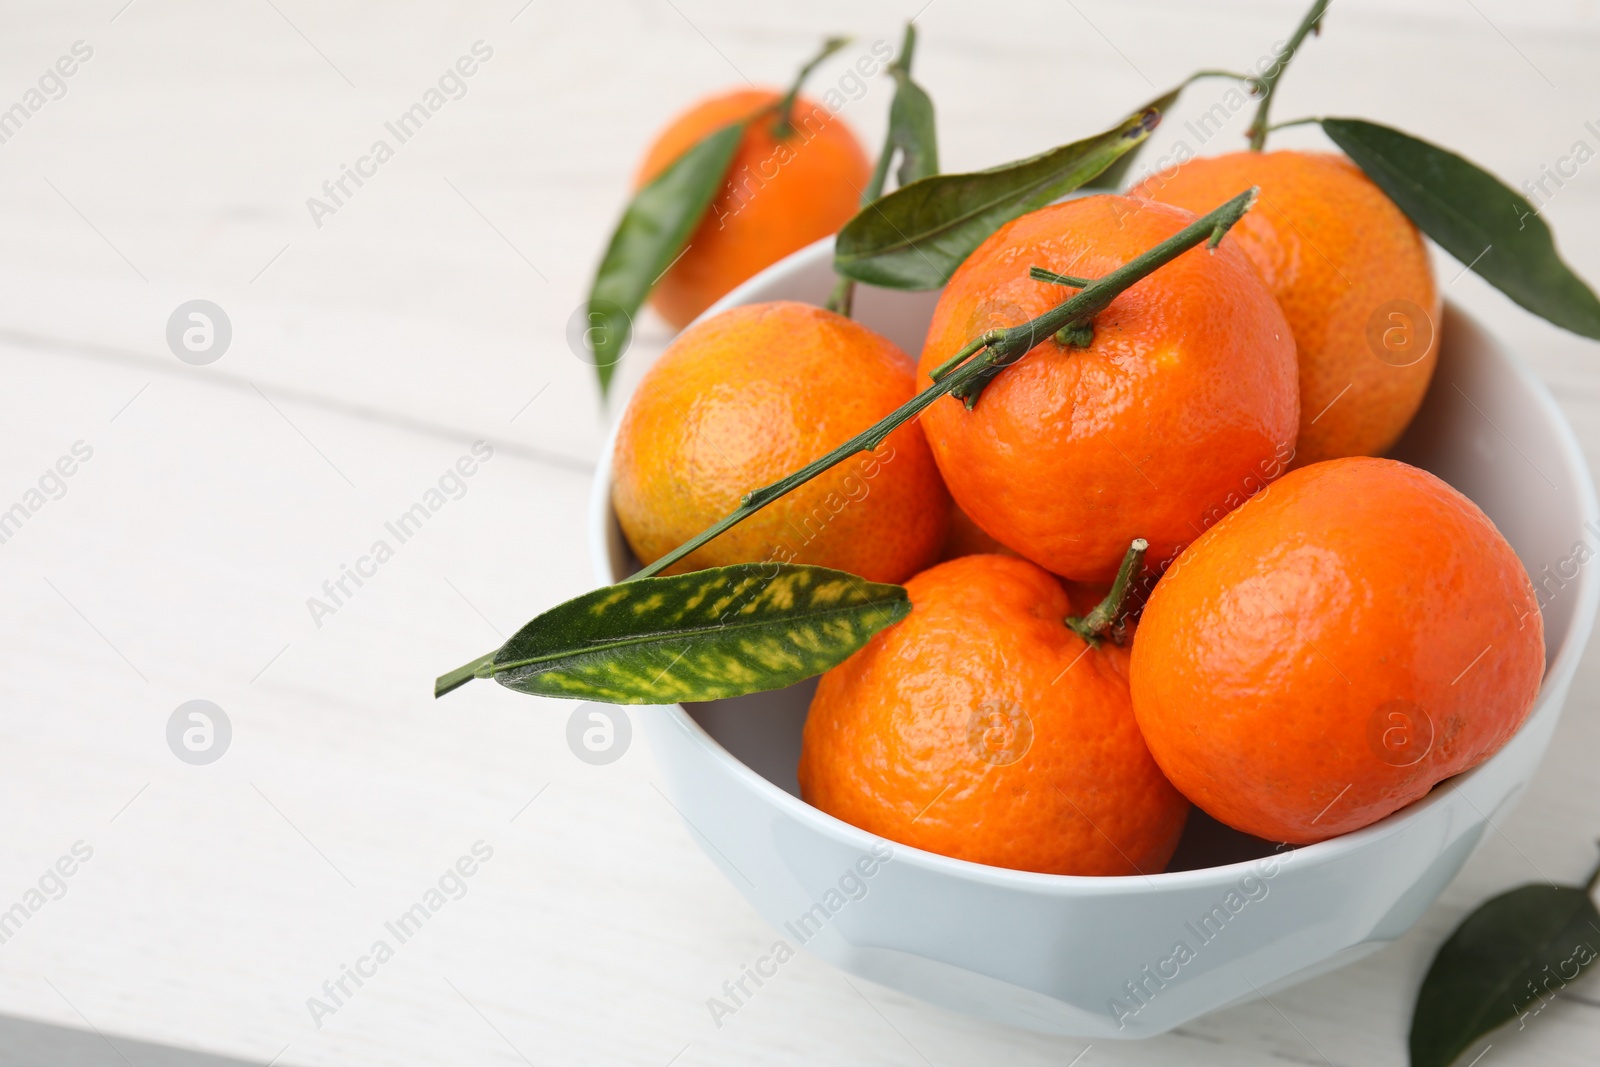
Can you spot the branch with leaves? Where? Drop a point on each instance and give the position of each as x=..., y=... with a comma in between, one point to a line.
x=915, y=237
x=617, y=643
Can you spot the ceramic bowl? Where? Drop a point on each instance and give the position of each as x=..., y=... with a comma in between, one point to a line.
x=1233, y=917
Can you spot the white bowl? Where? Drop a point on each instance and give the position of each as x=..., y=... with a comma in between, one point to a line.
x=1096, y=957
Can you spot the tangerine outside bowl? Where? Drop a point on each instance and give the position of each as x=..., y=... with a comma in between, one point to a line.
x=1233, y=917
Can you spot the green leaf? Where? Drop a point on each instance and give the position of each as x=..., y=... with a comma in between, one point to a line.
x=911, y=129
x=699, y=636
x=1505, y=961
x=917, y=236
x=649, y=238
x=1112, y=178
x=912, y=136
x=1475, y=217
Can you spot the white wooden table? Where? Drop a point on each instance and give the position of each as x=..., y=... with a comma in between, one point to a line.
x=368, y=354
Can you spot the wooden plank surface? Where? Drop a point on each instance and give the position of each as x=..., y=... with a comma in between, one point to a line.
x=368, y=355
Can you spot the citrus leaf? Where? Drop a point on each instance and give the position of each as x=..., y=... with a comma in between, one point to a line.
x=1112, y=178
x=651, y=235
x=911, y=129
x=704, y=635
x=1504, y=961
x=912, y=136
x=917, y=236
x=1473, y=216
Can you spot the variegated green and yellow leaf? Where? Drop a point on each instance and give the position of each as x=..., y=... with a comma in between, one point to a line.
x=701, y=636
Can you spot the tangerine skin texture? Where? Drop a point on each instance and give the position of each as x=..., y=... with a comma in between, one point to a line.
x=1269, y=652
x=743, y=399
x=1180, y=408
x=779, y=195
x=1333, y=249
x=889, y=743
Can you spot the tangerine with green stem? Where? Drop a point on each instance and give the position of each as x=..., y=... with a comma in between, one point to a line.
x=791, y=182
x=978, y=362
x=752, y=393
x=984, y=727
x=1169, y=406
x=967, y=372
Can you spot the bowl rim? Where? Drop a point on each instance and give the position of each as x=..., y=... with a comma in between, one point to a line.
x=1562, y=665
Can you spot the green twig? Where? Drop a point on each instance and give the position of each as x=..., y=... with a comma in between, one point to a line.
x=1039, y=274
x=1268, y=81
x=967, y=373
x=1249, y=79
x=1094, y=626
x=783, y=125
x=1293, y=122
x=481, y=667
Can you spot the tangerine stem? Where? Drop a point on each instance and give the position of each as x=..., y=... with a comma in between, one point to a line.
x=843, y=297
x=1094, y=626
x=1268, y=81
x=1249, y=79
x=459, y=677
x=980, y=360
x=1310, y=121
x=784, y=127
x=988, y=337
x=1076, y=334
x=1039, y=274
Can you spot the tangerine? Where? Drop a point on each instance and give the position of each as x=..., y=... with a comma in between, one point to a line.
x=1353, y=277
x=749, y=396
x=1183, y=403
x=1320, y=658
x=783, y=191
x=982, y=727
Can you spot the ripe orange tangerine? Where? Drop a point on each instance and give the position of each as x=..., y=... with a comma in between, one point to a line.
x=783, y=191
x=1183, y=404
x=1320, y=658
x=1353, y=277
x=751, y=395
x=982, y=727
